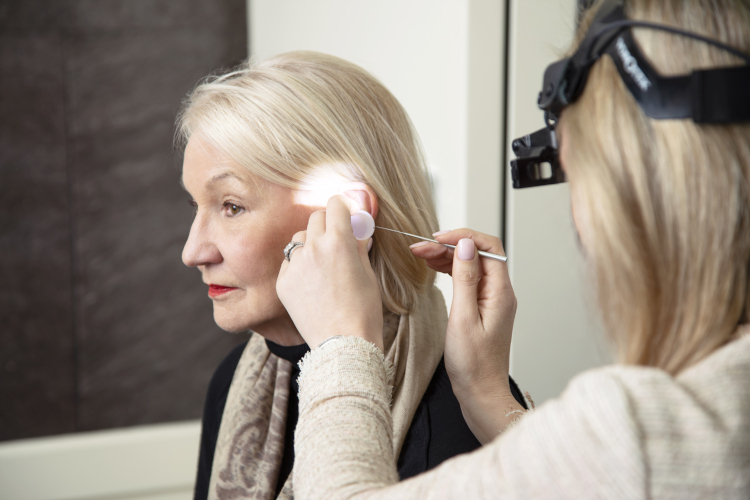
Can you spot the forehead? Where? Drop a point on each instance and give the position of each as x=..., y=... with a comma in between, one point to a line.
x=205, y=167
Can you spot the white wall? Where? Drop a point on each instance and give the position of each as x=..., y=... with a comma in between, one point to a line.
x=556, y=333
x=155, y=462
x=442, y=59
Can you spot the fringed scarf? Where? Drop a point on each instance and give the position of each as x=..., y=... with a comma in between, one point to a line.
x=250, y=445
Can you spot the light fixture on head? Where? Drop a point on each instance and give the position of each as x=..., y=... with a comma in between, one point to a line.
x=710, y=96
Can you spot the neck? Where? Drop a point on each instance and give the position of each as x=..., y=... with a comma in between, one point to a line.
x=280, y=331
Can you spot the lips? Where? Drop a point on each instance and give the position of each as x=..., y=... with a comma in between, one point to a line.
x=218, y=290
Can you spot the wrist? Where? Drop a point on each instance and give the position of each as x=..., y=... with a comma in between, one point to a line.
x=482, y=386
x=487, y=414
x=329, y=340
x=487, y=396
x=377, y=340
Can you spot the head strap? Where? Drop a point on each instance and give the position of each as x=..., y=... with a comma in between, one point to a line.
x=708, y=96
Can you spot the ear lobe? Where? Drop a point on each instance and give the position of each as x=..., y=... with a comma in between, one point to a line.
x=363, y=195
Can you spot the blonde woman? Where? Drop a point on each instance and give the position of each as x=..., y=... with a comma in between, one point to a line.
x=659, y=172
x=267, y=145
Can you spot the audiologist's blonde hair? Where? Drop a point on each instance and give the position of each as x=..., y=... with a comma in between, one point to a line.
x=305, y=118
x=667, y=201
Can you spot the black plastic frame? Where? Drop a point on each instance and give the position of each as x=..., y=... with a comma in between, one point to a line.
x=713, y=96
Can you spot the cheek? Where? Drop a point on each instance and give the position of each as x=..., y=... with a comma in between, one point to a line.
x=255, y=253
x=254, y=260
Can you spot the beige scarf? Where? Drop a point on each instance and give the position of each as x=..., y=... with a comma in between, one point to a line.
x=250, y=445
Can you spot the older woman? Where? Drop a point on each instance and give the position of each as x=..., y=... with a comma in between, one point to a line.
x=662, y=204
x=267, y=145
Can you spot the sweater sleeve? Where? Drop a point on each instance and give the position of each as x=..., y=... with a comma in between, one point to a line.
x=581, y=446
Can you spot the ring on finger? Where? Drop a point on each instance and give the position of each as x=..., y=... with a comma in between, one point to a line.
x=293, y=245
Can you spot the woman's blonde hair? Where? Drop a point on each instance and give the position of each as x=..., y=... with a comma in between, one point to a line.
x=667, y=201
x=304, y=118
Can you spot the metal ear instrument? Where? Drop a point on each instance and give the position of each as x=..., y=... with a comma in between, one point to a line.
x=363, y=227
x=489, y=255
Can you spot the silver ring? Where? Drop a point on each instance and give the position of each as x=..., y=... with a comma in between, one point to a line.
x=290, y=248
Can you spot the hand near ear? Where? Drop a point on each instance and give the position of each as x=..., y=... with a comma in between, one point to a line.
x=329, y=287
x=480, y=326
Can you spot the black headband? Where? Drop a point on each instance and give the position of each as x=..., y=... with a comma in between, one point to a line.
x=711, y=96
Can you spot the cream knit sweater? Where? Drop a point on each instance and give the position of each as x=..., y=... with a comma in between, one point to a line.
x=616, y=432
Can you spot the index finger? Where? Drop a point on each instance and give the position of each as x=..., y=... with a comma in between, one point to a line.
x=485, y=242
x=338, y=214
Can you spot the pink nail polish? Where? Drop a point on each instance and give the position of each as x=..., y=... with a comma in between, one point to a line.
x=444, y=231
x=420, y=244
x=465, y=249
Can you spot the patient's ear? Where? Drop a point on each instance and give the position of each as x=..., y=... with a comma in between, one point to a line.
x=363, y=195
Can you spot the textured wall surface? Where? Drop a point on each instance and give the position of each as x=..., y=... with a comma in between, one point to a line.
x=101, y=325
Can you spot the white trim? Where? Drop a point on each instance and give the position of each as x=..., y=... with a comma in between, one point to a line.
x=156, y=462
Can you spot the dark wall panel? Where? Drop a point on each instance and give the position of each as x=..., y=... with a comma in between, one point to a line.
x=139, y=324
x=132, y=220
x=37, y=383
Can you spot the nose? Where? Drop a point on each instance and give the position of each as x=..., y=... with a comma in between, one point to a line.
x=200, y=249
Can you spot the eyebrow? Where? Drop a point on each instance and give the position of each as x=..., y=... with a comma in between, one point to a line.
x=224, y=175
x=216, y=178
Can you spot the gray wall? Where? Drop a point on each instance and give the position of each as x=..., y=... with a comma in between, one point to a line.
x=100, y=323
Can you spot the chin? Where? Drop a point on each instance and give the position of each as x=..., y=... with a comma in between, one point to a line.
x=239, y=320
x=255, y=314
x=232, y=323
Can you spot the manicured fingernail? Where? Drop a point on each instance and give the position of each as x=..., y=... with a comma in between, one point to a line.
x=444, y=231
x=420, y=244
x=465, y=249
x=369, y=244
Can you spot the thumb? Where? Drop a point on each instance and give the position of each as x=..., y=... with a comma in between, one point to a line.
x=364, y=247
x=466, y=276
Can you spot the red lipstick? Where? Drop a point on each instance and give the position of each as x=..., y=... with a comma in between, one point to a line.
x=216, y=290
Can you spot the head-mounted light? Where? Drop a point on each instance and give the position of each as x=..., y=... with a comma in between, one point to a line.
x=718, y=95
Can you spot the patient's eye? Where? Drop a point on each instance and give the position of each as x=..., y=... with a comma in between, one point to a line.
x=232, y=209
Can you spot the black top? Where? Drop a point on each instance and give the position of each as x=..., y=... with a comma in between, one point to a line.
x=294, y=354
x=438, y=430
